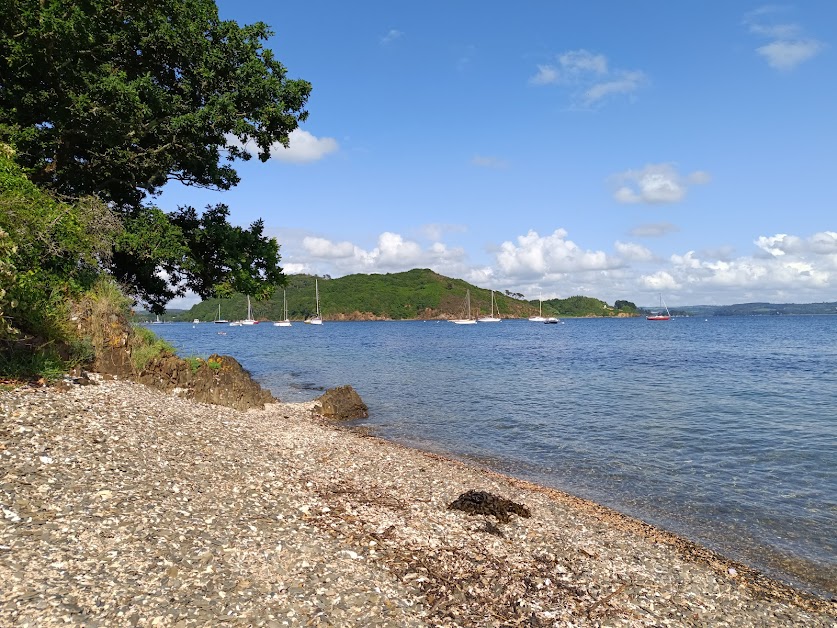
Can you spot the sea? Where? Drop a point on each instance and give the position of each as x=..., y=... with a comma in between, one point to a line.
x=722, y=430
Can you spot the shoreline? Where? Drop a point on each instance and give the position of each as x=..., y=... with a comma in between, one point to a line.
x=123, y=505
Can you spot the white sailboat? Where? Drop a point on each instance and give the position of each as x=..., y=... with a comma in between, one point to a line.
x=247, y=321
x=219, y=319
x=467, y=320
x=491, y=318
x=286, y=321
x=317, y=319
x=539, y=318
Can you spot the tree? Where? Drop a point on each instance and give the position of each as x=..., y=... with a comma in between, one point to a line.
x=50, y=252
x=224, y=259
x=116, y=98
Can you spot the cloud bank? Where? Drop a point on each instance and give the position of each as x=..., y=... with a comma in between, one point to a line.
x=779, y=268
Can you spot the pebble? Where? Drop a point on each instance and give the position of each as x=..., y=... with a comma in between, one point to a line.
x=123, y=506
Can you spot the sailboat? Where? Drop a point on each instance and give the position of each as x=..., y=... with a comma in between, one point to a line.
x=491, y=318
x=317, y=319
x=285, y=322
x=467, y=320
x=539, y=318
x=247, y=321
x=219, y=319
x=658, y=315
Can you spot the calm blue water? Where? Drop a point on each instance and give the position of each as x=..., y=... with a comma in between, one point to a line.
x=721, y=430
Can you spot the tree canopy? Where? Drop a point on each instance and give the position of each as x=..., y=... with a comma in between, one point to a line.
x=111, y=100
x=116, y=98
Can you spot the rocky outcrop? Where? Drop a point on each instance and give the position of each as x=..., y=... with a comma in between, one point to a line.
x=341, y=403
x=220, y=380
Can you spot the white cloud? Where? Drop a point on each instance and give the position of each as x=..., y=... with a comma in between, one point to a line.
x=779, y=245
x=633, y=252
x=786, y=55
x=302, y=147
x=582, y=62
x=654, y=230
x=326, y=249
x=624, y=83
x=545, y=75
x=391, y=36
x=488, y=162
x=589, y=77
x=534, y=255
x=661, y=281
x=393, y=253
x=789, y=47
x=654, y=184
x=295, y=269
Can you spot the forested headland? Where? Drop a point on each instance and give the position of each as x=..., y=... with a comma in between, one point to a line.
x=415, y=294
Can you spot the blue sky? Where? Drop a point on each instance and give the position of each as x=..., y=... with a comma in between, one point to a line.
x=608, y=149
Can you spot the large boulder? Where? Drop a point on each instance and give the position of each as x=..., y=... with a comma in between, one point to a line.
x=341, y=403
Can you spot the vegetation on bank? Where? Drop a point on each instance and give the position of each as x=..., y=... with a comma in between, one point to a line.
x=414, y=294
x=101, y=104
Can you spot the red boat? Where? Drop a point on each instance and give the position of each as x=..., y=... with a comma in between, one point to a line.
x=658, y=315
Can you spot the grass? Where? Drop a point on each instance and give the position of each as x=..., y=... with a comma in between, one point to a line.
x=146, y=346
x=25, y=364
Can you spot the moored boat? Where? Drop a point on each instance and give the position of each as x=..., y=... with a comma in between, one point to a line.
x=317, y=319
x=491, y=318
x=467, y=320
x=658, y=315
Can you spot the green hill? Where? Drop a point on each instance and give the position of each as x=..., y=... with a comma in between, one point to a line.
x=415, y=294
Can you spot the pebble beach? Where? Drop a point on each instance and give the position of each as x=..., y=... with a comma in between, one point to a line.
x=124, y=506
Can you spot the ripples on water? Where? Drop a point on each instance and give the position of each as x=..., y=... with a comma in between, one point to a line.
x=722, y=430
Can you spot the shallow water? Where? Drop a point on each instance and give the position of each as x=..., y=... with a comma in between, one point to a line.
x=723, y=430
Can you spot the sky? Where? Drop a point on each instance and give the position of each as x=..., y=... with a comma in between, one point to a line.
x=618, y=150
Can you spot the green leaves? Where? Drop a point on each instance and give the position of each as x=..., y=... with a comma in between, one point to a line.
x=224, y=259
x=115, y=99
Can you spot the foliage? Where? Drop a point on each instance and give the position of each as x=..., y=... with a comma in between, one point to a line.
x=626, y=306
x=51, y=254
x=146, y=255
x=193, y=362
x=22, y=363
x=7, y=274
x=223, y=259
x=774, y=309
x=146, y=346
x=103, y=313
x=418, y=293
x=577, y=306
x=116, y=98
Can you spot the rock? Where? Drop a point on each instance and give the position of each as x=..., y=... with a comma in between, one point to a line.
x=220, y=380
x=341, y=403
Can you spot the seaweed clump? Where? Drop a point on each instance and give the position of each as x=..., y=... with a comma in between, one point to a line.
x=483, y=503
